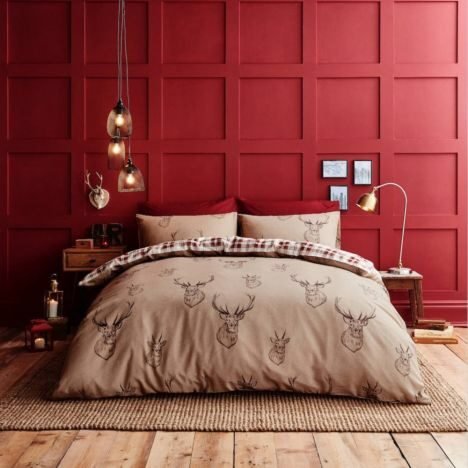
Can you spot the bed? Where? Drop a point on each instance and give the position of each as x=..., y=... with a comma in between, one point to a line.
x=228, y=313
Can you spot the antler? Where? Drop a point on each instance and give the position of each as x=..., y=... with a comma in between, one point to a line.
x=121, y=317
x=366, y=318
x=305, y=221
x=100, y=180
x=339, y=308
x=100, y=323
x=183, y=285
x=221, y=310
x=322, y=220
x=201, y=283
x=242, y=310
x=88, y=183
x=302, y=283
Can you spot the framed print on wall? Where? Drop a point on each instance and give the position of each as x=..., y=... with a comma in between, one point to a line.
x=334, y=169
x=362, y=172
x=340, y=193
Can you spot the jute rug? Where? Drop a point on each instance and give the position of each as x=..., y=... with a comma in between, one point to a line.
x=26, y=408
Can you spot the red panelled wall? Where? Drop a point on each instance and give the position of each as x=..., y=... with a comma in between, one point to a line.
x=236, y=98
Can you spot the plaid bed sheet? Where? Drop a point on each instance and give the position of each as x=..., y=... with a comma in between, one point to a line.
x=234, y=246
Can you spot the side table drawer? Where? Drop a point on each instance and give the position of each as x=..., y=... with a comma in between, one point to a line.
x=87, y=261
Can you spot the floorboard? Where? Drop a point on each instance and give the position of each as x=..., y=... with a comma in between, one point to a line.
x=226, y=449
x=422, y=451
x=454, y=445
x=171, y=450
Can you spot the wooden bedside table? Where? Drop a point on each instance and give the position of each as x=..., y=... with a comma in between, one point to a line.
x=76, y=259
x=411, y=283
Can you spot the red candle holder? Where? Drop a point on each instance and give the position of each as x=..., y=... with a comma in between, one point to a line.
x=38, y=336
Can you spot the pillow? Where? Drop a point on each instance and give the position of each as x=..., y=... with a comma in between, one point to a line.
x=155, y=229
x=269, y=208
x=322, y=228
x=227, y=205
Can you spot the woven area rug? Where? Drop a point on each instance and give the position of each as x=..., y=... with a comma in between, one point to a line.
x=26, y=408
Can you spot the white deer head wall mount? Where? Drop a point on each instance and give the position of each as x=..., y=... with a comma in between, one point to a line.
x=98, y=197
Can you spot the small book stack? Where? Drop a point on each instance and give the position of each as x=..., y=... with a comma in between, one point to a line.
x=434, y=332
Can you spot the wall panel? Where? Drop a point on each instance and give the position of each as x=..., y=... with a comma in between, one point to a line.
x=236, y=97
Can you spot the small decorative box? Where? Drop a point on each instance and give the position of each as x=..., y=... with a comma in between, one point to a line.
x=84, y=243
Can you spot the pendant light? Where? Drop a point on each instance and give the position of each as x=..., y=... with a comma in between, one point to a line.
x=116, y=152
x=131, y=178
x=119, y=121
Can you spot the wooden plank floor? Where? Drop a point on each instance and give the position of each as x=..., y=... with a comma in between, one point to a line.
x=225, y=449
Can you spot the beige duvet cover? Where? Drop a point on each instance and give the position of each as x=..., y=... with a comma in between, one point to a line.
x=218, y=323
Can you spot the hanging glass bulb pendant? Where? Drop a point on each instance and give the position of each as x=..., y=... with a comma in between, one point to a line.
x=131, y=178
x=119, y=119
x=116, y=152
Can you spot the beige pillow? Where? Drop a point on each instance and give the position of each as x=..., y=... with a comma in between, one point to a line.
x=322, y=228
x=155, y=229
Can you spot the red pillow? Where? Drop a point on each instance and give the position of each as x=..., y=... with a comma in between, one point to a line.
x=227, y=205
x=271, y=208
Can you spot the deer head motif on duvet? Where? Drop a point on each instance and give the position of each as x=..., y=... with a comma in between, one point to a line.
x=313, y=227
x=277, y=353
x=252, y=281
x=246, y=384
x=353, y=337
x=193, y=294
x=314, y=297
x=403, y=364
x=154, y=355
x=105, y=346
x=228, y=333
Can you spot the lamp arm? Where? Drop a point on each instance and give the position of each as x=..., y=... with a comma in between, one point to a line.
x=377, y=187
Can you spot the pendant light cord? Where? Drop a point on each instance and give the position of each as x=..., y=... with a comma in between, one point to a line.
x=125, y=50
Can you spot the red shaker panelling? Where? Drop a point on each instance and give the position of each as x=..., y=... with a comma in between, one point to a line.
x=236, y=98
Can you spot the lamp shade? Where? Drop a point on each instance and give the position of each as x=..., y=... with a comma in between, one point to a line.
x=119, y=121
x=116, y=153
x=368, y=202
x=131, y=178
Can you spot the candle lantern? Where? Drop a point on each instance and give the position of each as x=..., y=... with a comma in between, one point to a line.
x=53, y=300
x=38, y=336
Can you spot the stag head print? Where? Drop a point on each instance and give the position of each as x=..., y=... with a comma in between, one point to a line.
x=164, y=221
x=252, y=281
x=193, y=294
x=233, y=264
x=135, y=289
x=313, y=294
x=228, y=333
x=105, y=346
x=403, y=364
x=167, y=272
x=372, y=391
x=246, y=384
x=353, y=337
x=279, y=267
x=154, y=355
x=277, y=353
x=313, y=227
x=98, y=197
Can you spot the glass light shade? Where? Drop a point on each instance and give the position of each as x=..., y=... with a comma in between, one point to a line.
x=368, y=202
x=116, y=153
x=119, y=121
x=131, y=178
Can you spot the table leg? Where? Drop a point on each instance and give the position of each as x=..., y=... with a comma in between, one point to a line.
x=413, y=306
x=419, y=299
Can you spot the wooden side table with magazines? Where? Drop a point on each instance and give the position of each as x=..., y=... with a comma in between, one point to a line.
x=411, y=283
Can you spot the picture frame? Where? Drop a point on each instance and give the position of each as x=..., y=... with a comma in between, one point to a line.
x=362, y=172
x=340, y=193
x=334, y=169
